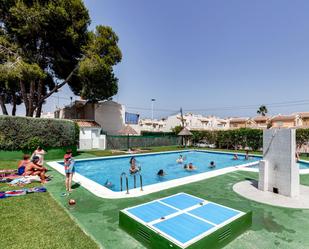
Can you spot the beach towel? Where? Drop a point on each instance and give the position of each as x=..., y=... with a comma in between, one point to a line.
x=24, y=180
x=5, y=172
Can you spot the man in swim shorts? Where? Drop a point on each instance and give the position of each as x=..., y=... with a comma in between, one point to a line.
x=34, y=168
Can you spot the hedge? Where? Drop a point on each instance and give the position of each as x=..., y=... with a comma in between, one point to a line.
x=242, y=138
x=24, y=133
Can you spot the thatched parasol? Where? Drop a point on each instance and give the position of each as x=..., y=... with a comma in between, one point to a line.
x=128, y=130
x=185, y=133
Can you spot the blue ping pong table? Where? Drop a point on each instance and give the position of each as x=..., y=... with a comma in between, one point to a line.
x=184, y=221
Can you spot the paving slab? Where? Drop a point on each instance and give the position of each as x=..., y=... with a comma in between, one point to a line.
x=249, y=190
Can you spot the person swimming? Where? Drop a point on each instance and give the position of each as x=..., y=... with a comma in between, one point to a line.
x=190, y=167
x=108, y=184
x=212, y=164
x=235, y=157
x=180, y=159
x=161, y=173
x=133, y=167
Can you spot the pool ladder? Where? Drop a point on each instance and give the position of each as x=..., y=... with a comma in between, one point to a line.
x=124, y=174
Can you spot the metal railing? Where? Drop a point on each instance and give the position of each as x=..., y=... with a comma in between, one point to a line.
x=127, y=181
x=124, y=174
x=140, y=180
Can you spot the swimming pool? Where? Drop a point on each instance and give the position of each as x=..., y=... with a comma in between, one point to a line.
x=108, y=170
x=95, y=173
x=92, y=174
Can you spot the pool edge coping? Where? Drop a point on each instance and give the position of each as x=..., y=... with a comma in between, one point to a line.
x=103, y=192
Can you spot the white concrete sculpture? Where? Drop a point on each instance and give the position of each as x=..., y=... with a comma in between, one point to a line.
x=279, y=172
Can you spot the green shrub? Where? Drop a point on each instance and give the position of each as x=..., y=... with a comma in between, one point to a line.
x=23, y=133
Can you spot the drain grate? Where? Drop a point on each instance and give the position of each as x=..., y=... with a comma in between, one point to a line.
x=144, y=235
x=224, y=235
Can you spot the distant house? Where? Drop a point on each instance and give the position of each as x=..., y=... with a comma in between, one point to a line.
x=261, y=122
x=304, y=116
x=90, y=135
x=236, y=123
x=110, y=115
x=285, y=121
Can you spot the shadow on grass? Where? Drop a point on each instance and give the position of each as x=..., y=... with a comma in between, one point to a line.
x=75, y=185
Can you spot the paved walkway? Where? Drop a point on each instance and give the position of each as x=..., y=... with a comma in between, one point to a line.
x=249, y=190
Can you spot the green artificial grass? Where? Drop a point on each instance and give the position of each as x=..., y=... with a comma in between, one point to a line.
x=38, y=221
x=273, y=227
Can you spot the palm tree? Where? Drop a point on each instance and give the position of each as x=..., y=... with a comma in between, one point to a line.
x=262, y=110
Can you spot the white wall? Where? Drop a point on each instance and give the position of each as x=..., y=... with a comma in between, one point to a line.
x=279, y=168
x=110, y=116
x=90, y=138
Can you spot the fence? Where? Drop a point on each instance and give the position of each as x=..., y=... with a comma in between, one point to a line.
x=123, y=142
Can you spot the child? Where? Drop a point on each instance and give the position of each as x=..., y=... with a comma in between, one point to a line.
x=190, y=167
x=161, y=173
x=22, y=164
x=212, y=164
x=133, y=168
x=180, y=159
x=69, y=169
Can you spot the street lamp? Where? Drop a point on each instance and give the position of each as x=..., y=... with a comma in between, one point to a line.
x=152, y=100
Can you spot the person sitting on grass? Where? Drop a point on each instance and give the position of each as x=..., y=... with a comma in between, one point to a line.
x=35, y=169
x=39, y=152
x=212, y=165
x=68, y=169
x=161, y=173
x=133, y=166
x=22, y=164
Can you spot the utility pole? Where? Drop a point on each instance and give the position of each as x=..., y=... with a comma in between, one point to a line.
x=182, y=123
x=181, y=114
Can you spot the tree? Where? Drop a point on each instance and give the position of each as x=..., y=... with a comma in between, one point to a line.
x=262, y=110
x=177, y=129
x=54, y=47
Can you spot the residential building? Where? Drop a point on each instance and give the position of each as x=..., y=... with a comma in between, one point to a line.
x=191, y=121
x=285, y=121
x=261, y=122
x=110, y=115
x=304, y=116
x=236, y=123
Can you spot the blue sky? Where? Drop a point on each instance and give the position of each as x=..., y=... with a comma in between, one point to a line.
x=206, y=55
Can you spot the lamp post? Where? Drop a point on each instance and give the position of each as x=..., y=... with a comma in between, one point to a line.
x=152, y=100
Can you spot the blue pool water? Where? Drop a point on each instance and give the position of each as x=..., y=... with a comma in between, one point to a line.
x=109, y=169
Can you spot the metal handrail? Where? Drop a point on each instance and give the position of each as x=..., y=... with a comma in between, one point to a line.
x=127, y=181
x=140, y=180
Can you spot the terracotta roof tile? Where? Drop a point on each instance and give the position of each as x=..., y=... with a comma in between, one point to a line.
x=283, y=117
x=87, y=123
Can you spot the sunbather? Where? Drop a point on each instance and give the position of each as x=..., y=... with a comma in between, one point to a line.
x=23, y=163
x=34, y=168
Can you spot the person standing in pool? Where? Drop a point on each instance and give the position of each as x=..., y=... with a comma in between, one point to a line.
x=212, y=165
x=68, y=169
x=133, y=166
x=180, y=159
x=247, y=155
